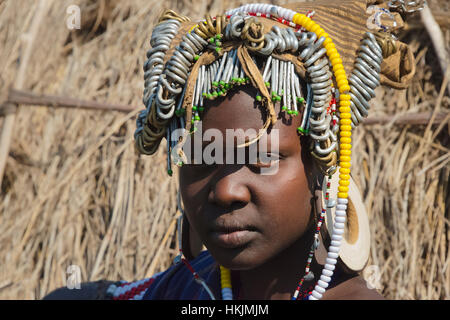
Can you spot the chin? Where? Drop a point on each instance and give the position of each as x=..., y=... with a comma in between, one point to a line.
x=242, y=258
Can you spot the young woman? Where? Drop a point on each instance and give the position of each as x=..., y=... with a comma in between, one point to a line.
x=274, y=222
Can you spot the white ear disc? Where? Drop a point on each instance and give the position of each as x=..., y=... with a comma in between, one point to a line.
x=355, y=246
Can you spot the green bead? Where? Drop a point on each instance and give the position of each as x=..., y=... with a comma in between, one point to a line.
x=296, y=112
x=222, y=83
x=227, y=86
x=192, y=121
x=215, y=84
x=209, y=96
x=267, y=84
x=215, y=94
x=218, y=49
x=258, y=98
x=300, y=99
x=196, y=57
x=197, y=118
x=278, y=98
x=194, y=108
x=211, y=40
x=283, y=108
x=170, y=172
x=301, y=130
x=204, y=94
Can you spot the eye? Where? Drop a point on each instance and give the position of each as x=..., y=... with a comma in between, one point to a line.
x=266, y=160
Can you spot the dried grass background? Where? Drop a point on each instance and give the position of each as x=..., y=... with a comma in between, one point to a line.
x=75, y=192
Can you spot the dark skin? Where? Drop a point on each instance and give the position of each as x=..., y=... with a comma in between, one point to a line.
x=275, y=209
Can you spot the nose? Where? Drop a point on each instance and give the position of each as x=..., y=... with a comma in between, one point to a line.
x=231, y=188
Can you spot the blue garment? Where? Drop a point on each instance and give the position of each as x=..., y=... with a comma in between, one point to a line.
x=178, y=283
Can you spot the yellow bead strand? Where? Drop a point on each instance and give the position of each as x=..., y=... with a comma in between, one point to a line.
x=344, y=103
x=225, y=277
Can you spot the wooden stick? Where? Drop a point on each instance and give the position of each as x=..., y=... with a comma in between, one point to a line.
x=442, y=19
x=32, y=99
x=437, y=38
x=161, y=247
x=8, y=123
x=409, y=118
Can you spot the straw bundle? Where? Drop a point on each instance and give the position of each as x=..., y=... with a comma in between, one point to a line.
x=75, y=193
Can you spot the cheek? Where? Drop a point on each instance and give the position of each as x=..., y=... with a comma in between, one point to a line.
x=193, y=192
x=289, y=203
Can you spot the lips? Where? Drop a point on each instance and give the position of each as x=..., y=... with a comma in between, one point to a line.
x=232, y=235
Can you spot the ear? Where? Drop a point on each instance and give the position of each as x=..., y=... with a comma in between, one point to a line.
x=190, y=241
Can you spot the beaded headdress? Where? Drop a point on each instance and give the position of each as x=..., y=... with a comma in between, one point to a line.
x=324, y=58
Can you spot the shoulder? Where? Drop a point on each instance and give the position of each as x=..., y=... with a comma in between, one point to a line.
x=148, y=288
x=87, y=291
x=179, y=283
x=355, y=288
x=104, y=290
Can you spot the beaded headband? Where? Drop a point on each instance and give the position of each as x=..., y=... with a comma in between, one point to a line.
x=289, y=57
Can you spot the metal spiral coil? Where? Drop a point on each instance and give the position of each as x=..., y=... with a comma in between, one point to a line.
x=408, y=6
x=164, y=84
x=365, y=77
x=160, y=41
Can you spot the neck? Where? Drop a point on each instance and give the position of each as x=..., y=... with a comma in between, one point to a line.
x=277, y=279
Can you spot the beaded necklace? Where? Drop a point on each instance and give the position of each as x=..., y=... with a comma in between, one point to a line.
x=227, y=289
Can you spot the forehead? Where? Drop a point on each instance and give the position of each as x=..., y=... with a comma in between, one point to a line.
x=241, y=113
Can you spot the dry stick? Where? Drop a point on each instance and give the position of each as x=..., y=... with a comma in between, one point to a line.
x=409, y=118
x=420, y=139
x=442, y=19
x=8, y=124
x=32, y=99
x=100, y=12
x=151, y=269
x=437, y=38
x=427, y=133
x=445, y=82
x=443, y=158
x=114, y=221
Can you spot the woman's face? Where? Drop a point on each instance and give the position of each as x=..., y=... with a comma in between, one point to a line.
x=242, y=216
